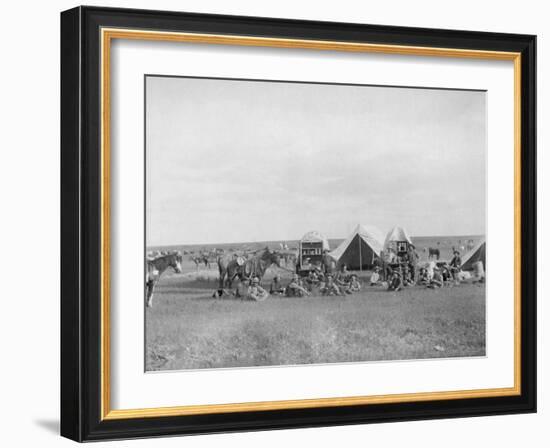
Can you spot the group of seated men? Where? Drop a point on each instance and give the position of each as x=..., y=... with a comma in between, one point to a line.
x=431, y=275
x=397, y=276
x=326, y=284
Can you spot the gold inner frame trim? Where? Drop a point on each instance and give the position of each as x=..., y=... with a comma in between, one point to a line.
x=107, y=35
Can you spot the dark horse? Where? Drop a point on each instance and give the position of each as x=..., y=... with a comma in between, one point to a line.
x=245, y=269
x=433, y=253
x=155, y=268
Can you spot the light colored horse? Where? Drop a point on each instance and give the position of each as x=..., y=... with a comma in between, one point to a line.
x=156, y=267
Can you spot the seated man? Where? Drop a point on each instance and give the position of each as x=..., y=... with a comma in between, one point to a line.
x=312, y=280
x=275, y=288
x=437, y=279
x=407, y=279
x=479, y=272
x=395, y=283
x=255, y=291
x=330, y=288
x=375, y=277
x=447, y=275
x=295, y=288
x=343, y=277
x=319, y=273
x=354, y=285
x=423, y=277
x=430, y=269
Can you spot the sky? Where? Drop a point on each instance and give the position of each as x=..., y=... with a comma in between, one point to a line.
x=238, y=161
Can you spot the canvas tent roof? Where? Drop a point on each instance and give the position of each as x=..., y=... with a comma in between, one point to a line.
x=474, y=255
x=360, y=248
x=315, y=237
x=397, y=234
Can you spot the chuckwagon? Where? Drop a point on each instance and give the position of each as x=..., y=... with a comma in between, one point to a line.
x=398, y=241
x=311, y=250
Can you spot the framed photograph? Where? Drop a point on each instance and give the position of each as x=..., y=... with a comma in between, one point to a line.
x=272, y=223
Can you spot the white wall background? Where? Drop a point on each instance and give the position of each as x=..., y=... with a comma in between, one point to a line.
x=29, y=181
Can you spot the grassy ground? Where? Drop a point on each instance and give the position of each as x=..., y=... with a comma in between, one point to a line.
x=188, y=329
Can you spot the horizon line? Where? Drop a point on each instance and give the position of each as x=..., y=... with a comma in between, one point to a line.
x=298, y=239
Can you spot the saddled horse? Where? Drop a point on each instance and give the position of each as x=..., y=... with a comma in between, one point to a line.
x=156, y=267
x=245, y=269
x=433, y=252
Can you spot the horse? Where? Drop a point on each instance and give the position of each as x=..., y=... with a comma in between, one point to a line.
x=156, y=267
x=254, y=266
x=433, y=253
x=200, y=259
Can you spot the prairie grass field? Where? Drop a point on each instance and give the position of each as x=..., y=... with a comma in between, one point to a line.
x=187, y=328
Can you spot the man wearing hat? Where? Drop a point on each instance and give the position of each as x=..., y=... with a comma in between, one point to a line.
x=295, y=287
x=312, y=280
x=456, y=264
x=354, y=285
x=331, y=288
x=396, y=282
x=255, y=291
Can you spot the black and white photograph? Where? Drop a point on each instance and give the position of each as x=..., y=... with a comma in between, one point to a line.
x=292, y=223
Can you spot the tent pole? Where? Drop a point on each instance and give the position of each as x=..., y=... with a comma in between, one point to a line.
x=360, y=257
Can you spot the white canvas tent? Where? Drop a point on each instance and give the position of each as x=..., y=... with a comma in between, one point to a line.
x=360, y=249
x=474, y=255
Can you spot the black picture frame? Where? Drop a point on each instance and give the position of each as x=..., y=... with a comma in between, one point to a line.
x=81, y=224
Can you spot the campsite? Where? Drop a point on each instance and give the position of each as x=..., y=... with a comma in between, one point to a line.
x=190, y=327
